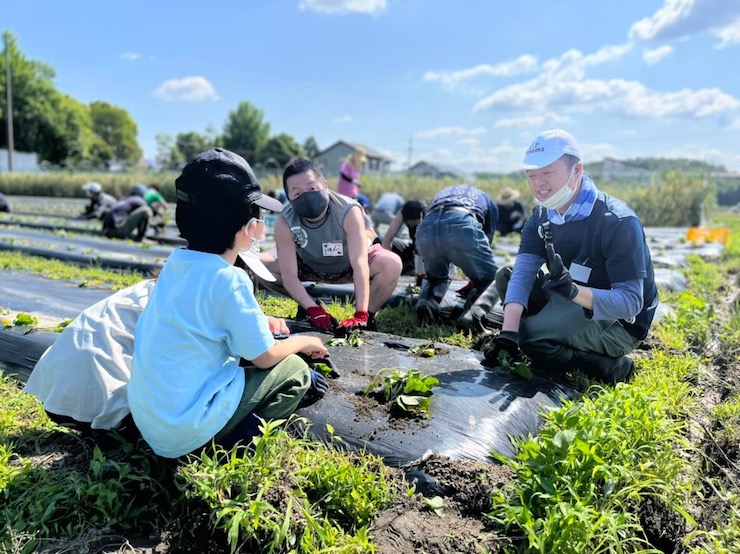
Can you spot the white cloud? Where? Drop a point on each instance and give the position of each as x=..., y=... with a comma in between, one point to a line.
x=529, y=121
x=683, y=18
x=614, y=96
x=449, y=131
x=573, y=63
x=130, y=56
x=343, y=6
x=451, y=79
x=652, y=57
x=188, y=89
x=729, y=35
x=342, y=119
x=472, y=141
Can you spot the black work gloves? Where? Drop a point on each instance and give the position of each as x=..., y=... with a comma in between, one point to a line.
x=507, y=341
x=559, y=280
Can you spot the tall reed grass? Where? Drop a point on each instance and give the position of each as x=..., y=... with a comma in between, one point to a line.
x=674, y=199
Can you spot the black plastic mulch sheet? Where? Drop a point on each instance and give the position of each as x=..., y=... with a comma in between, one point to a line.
x=20, y=350
x=473, y=410
x=33, y=293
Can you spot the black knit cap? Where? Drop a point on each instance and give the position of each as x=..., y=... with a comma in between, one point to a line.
x=219, y=176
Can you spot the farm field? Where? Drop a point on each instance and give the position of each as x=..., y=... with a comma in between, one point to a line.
x=648, y=466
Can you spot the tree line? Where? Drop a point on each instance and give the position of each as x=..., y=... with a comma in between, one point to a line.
x=67, y=133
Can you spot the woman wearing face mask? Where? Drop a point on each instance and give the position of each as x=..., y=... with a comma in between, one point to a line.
x=322, y=236
x=598, y=300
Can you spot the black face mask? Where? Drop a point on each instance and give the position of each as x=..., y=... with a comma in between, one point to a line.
x=311, y=205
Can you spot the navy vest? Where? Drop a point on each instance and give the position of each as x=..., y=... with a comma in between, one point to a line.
x=611, y=243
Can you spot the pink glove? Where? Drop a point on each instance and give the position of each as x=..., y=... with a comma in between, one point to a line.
x=320, y=318
x=360, y=319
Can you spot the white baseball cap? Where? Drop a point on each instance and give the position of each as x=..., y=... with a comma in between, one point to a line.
x=548, y=147
x=251, y=258
x=92, y=188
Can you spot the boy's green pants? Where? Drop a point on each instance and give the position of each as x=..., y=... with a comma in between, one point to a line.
x=271, y=393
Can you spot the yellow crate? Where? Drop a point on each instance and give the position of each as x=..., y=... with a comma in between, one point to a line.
x=702, y=234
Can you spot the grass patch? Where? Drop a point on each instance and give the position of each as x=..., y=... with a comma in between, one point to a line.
x=288, y=494
x=580, y=483
x=57, y=269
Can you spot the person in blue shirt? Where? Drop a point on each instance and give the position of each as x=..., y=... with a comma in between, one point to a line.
x=189, y=382
x=598, y=300
x=457, y=229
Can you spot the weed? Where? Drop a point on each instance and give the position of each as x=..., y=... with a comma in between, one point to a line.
x=288, y=493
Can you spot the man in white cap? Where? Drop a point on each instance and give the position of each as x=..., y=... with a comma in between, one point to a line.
x=597, y=302
x=100, y=202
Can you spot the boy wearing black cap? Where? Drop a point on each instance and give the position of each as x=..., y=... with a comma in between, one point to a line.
x=187, y=386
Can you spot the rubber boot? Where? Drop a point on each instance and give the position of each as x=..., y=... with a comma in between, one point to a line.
x=432, y=293
x=480, y=302
x=141, y=230
x=608, y=369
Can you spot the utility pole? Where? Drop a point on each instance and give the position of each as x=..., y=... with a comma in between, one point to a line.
x=411, y=150
x=9, y=106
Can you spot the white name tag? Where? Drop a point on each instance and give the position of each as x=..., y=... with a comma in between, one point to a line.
x=580, y=273
x=333, y=249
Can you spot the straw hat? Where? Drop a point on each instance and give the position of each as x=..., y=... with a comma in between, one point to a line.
x=357, y=158
x=507, y=196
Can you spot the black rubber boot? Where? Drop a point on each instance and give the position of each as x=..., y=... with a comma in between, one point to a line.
x=480, y=302
x=610, y=370
x=432, y=293
x=141, y=230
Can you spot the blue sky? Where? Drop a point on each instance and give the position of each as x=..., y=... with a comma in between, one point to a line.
x=466, y=83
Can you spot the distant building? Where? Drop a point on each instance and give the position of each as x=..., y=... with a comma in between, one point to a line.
x=613, y=169
x=330, y=159
x=23, y=162
x=427, y=169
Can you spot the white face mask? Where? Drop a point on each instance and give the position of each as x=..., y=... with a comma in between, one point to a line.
x=256, y=241
x=561, y=197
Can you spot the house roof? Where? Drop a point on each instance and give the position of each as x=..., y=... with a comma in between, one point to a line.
x=369, y=152
x=439, y=167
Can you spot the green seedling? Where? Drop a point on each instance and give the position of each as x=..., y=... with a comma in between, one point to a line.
x=412, y=289
x=352, y=339
x=63, y=325
x=437, y=504
x=509, y=365
x=409, y=390
x=20, y=320
x=322, y=368
x=425, y=350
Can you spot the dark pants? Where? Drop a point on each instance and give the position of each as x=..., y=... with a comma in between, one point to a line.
x=555, y=332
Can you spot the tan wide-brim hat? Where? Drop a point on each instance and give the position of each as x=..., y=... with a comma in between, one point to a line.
x=507, y=195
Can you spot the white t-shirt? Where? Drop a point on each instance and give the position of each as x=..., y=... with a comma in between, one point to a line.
x=186, y=382
x=84, y=374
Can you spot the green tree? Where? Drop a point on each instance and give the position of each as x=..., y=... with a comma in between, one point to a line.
x=191, y=144
x=168, y=156
x=117, y=129
x=281, y=148
x=82, y=146
x=246, y=132
x=44, y=120
x=311, y=147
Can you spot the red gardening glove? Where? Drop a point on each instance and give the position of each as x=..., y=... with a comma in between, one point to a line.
x=360, y=319
x=320, y=318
